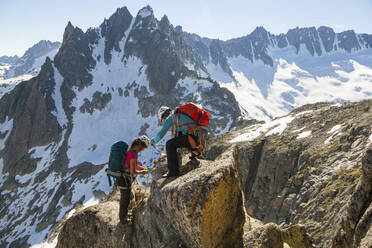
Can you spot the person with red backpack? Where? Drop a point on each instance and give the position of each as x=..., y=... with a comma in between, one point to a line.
x=188, y=123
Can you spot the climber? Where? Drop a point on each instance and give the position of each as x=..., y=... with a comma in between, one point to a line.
x=188, y=124
x=132, y=168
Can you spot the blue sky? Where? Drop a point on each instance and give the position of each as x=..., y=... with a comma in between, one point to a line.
x=25, y=22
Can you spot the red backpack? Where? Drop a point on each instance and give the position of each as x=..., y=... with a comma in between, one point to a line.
x=201, y=118
x=195, y=112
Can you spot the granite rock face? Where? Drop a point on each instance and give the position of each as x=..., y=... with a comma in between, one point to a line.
x=202, y=208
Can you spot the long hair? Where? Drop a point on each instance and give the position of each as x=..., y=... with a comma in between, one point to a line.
x=137, y=142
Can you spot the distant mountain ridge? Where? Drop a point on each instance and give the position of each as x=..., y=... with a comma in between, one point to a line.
x=271, y=75
x=32, y=59
x=254, y=46
x=8, y=59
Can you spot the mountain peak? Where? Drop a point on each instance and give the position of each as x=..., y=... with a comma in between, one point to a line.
x=40, y=48
x=120, y=15
x=179, y=29
x=69, y=25
x=259, y=29
x=122, y=11
x=145, y=12
x=165, y=20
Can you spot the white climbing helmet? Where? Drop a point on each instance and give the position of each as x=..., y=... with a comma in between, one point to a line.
x=145, y=140
x=162, y=110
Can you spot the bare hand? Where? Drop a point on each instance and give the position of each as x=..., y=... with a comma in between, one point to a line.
x=142, y=172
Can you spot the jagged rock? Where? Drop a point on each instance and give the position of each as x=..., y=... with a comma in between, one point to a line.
x=162, y=49
x=114, y=30
x=202, y=208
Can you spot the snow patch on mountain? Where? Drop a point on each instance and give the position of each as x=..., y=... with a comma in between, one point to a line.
x=5, y=129
x=218, y=74
x=304, y=134
x=59, y=112
x=145, y=12
x=334, y=129
x=276, y=126
x=3, y=68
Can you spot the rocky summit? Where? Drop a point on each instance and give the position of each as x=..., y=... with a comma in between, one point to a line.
x=278, y=171
x=302, y=180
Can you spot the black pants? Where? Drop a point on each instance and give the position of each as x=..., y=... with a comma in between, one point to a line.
x=125, y=184
x=181, y=141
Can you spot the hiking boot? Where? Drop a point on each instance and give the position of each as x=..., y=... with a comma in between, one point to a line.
x=196, y=156
x=169, y=174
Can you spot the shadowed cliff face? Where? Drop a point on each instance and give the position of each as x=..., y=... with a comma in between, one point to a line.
x=315, y=172
x=29, y=106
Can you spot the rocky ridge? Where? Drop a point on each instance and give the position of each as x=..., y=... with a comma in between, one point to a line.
x=312, y=167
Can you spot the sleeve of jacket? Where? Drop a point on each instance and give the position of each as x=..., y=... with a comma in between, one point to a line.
x=166, y=126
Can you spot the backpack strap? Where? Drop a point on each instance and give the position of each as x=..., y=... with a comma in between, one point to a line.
x=108, y=177
x=115, y=175
x=199, y=118
x=186, y=124
x=191, y=129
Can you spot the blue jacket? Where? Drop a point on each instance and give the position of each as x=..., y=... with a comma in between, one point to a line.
x=169, y=123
